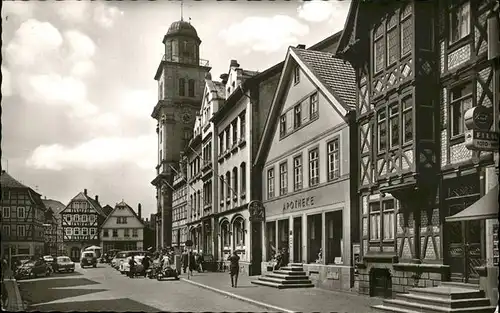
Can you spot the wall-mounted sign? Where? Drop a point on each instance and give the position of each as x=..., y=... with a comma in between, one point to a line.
x=479, y=118
x=481, y=140
x=300, y=203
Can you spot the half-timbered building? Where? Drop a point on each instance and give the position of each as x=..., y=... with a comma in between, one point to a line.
x=81, y=222
x=53, y=228
x=420, y=66
x=22, y=218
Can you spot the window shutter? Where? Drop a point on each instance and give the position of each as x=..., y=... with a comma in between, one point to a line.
x=289, y=121
x=305, y=111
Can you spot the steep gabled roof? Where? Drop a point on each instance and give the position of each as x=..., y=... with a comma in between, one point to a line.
x=81, y=196
x=54, y=205
x=123, y=204
x=7, y=181
x=107, y=209
x=333, y=77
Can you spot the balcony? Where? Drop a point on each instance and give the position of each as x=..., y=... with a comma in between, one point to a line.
x=201, y=62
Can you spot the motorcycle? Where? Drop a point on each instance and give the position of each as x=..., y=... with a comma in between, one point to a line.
x=167, y=272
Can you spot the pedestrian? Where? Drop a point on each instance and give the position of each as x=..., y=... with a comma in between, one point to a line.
x=192, y=262
x=131, y=264
x=145, y=263
x=199, y=262
x=184, y=260
x=234, y=268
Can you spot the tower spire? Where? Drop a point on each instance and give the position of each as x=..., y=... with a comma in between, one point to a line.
x=182, y=10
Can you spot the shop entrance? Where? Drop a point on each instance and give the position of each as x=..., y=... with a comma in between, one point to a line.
x=334, y=246
x=315, y=229
x=297, y=239
x=465, y=249
x=283, y=237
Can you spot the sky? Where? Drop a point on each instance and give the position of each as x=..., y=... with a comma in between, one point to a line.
x=78, y=83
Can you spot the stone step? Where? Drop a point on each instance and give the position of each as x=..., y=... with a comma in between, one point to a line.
x=287, y=277
x=292, y=268
x=448, y=292
x=284, y=281
x=281, y=286
x=429, y=308
x=386, y=308
x=439, y=301
x=296, y=264
x=285, y=272
x=460, y=285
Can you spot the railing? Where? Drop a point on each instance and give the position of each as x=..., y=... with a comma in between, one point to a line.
x=201, y=62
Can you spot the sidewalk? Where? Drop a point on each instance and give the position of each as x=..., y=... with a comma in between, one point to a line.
x=294, y=300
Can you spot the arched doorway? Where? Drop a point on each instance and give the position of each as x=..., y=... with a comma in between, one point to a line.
x=75, y=254
x=225, y=244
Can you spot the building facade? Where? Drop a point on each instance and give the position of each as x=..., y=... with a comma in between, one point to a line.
x=180, y=206
x=56, y=246
x=180, y=78
x=414, y=167
x=306, y=156
x=123, y=229
x=23, y=216
x=81, y=222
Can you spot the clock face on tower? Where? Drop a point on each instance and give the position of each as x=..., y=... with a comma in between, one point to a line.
x=186, y=117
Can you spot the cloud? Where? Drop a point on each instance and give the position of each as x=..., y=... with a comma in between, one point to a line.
x=106, y=15
x=315, y=11
x=6, y=83
x=72, y=11
x=33, y=41
x=21, y=9
x=137, y=103
x=96, y=153
x=264, y=34
x=81, y=45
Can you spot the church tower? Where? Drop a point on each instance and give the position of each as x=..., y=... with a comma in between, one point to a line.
x=181, y=79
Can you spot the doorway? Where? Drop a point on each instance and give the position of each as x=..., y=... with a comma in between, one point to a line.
x=256, y=247
x=297, y=239
x=380, y=283
x=75, y=254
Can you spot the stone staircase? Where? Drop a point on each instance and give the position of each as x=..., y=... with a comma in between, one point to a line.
x=291, y=276
x=448, y=297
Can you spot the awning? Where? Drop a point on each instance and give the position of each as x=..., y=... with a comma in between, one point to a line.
x=483, y=209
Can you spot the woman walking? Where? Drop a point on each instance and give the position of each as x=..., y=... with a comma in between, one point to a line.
x=234, y=268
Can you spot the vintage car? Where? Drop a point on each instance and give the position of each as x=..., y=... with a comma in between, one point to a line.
x=122, y=256
x=18, y=259
x=63, y=264
x=32, y=269
x=125, y=267
x=88, y=258
x=48, y=259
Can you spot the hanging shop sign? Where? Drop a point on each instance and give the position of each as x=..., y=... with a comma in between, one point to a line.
x=478, y=136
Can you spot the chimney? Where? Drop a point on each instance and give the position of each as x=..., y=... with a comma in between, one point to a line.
x=85, y=191
x=301, y=46
x=97, y=198
x=139, y=211
x=224, y=78
x=234, y=63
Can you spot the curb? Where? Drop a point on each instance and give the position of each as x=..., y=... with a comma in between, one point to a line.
x=238, y=297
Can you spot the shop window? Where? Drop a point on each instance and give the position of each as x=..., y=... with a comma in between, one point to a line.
x=270, y=183
x=459, y=22
x=394, y=125
x=333, y=155
x=283, y=236
x=271, y=240
x=460, y=102
x=283, y=178
x=182, y=87
x=315, y=240
x=313, y=105
x=407, y=105
x=283, y=125
x=334, y=237
x=297, y=173
x=313, y=167
x=382, y=130
x=378, y=49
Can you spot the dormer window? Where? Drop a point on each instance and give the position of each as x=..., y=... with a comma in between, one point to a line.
x=182, y=87
x=296, y=75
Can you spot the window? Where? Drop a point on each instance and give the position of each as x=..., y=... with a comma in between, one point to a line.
x=160, y=91
x=297, y=173
x=239, y=233
x=135, y=232
x=199, y=202
x=91, y=218
x=191, y=88
x=6, y=212
x=76, y=218
x=126, y=232
x=270, y=183
x=459, y=22
x=374, y=220
x=228, y=138
x=378, y=49
x=20, y=212
x=6, y=230
x=407, y=105
x=235, y=182
x=333, y=159
x=313, y=105
x=84, y=218
x=234, y=126
x=221, y=189
x=242, y=125
x=182, y=87
x=460, y=102
x=313, y=167
x=394, y=125
x=283, y=178
x=382, y=130
x=389, y=218
x=243, y=176
x=68, y=231
x=283, y=125
x=221, y=143
x=297, y=116
x=406, y=30
x=118, y=220
x=85, y=231
x=76, y=231
x=115, y=232
x=296, y=75
x=228, y=185
x=68, y=218
x=392, y=40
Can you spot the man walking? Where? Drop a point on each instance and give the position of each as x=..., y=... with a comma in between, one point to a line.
x=234, y=268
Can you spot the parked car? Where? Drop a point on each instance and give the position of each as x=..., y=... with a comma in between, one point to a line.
x=88, y=258
x=121, y=256
x=32, y=269
x=63, y=264
x=125, y=266
x=19, y=259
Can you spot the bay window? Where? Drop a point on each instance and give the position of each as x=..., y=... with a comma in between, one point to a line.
x=389, y=219
x=374, y=208
x=270, y=183
x=313, y=167
x=382, y=220
x=407, y=104
x=392, y=40
x=283, y=178
x=333, y=159
x=297, y=173
x=459, y=22
x=394, y=125
x=460, y=102
x=406, y=30
x=381, y=130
